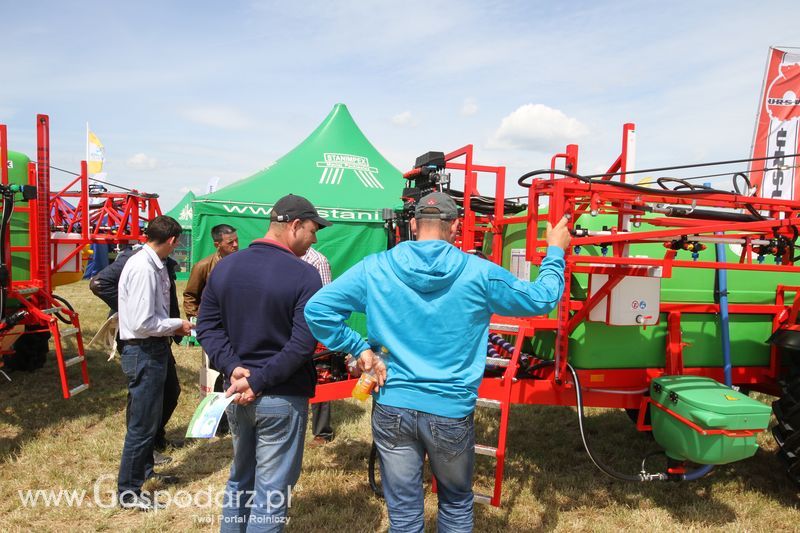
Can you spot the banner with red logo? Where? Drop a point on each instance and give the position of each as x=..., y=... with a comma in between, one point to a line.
x=777, y=126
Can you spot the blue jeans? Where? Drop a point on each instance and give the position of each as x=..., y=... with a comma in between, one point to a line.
x=403, y=437
x=268, y=440
x=145, y=366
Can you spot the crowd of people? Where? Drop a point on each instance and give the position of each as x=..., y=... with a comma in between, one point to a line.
x=260, y=313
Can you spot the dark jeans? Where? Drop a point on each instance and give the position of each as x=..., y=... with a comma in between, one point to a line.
x=172, y=391
x=321, y=420
x=146, y=367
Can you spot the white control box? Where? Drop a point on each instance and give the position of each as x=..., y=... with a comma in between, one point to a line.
x=634, y=301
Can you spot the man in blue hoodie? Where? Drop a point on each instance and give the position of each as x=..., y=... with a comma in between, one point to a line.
x=429, y=304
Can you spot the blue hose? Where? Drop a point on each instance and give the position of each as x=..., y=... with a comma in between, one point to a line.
x=722, y=287
x=697, y=474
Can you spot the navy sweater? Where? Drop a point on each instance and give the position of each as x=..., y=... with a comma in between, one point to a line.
x=251, y=315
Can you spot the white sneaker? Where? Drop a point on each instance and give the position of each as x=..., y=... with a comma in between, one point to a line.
x=138, y=503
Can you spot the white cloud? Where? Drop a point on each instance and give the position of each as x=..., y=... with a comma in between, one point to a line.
x=223, y=117
x=142, y=162
x=405, y=119
x=536, y=127
x=469, y=107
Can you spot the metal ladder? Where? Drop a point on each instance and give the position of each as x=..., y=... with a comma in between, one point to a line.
x=45, y=308
x=503, y=404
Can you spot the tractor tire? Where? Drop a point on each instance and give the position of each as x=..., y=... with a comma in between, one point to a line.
x=30, y=352
x=787, y=431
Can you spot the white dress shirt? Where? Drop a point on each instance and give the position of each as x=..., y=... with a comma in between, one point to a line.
x=144, y=298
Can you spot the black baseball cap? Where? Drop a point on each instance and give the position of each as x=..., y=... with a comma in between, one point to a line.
x=446, y=206
x=292, y=207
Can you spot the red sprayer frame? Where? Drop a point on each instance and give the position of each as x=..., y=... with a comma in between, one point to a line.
x=85, y=218
x=564, y=192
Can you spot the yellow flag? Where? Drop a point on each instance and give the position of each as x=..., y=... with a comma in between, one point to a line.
x=96, y=154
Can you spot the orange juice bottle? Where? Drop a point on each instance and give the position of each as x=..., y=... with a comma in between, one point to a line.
x=368, y=380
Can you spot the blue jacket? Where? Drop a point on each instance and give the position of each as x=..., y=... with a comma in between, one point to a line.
x=251, y=315
x=429, y=304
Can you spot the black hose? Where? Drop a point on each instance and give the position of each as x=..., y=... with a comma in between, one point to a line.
x=642, y=476
x=736, y=183
x=373, y=484
x=678, y=191
x=638, y=188
x=68, y=305
x=683, y=184
x=8, y=209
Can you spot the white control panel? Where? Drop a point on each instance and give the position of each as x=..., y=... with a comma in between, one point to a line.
x=634, y=301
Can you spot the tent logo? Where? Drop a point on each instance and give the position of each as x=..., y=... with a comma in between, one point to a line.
x=335, y=165
x=186, y=212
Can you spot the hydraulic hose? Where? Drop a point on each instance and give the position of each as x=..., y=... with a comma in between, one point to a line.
x=8, y=209
x=64, y=301
x=697, y=474
x=641, y=476
x=373, y=484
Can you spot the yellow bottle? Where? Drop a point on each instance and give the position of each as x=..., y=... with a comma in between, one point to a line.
x=364, y=387
x=368, y=380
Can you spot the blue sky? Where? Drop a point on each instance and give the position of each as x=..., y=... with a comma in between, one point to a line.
x=180, y=92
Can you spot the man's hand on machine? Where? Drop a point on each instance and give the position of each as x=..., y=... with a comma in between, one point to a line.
x=368, y=361
x=558, y=235
x=240, y=385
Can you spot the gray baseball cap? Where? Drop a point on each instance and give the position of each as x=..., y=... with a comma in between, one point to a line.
x=446, y=206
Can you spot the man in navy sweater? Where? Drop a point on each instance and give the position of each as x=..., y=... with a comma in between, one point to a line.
x=251, y=324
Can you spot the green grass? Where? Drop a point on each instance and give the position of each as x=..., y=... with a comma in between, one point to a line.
x=550, y=484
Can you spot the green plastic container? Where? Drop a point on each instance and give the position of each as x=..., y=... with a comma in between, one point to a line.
x=19, y=224
x=595, y=345
x=711, y=406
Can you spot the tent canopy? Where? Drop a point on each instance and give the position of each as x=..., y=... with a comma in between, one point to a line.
x=337, y=169
x=182, y=212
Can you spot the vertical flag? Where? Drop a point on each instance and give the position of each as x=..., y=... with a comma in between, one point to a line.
x=95, y=153
x=777, y=125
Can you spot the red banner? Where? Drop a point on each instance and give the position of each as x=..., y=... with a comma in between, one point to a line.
x=776, y=135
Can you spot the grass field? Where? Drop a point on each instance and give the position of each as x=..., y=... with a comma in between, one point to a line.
x=51, y=444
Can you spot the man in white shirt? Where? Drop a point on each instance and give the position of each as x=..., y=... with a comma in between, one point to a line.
x=144, y=329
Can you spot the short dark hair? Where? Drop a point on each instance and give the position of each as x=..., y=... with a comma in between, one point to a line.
x=220, y=230
x=162, y=228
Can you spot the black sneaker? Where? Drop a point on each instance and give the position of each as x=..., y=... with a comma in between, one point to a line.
x=167, y=443
x=175, y=443
x=160, y=459
x=134, y=502
x=166, y=479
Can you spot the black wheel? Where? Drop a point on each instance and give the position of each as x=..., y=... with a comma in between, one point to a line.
x=30, y=352
x=787, y=430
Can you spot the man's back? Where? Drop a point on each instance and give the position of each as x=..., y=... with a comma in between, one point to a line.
x=430, y=305
x=257, y=296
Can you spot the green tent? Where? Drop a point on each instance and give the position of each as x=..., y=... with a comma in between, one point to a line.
x=182, y=212
x=337, y=169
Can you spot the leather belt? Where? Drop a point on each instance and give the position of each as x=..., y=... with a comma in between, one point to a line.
x=148, y=340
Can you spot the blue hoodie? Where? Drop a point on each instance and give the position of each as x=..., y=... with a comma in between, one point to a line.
x=429, y=304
